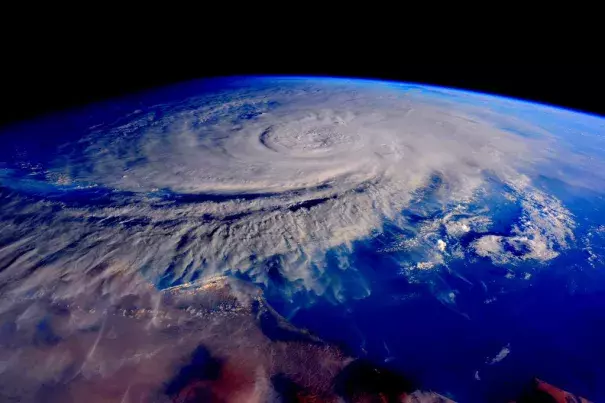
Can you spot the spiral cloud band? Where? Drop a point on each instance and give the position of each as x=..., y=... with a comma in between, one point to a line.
x=229, y=181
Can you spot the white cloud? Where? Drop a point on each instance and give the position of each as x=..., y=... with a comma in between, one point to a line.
x=287, y=171
x=504, y=352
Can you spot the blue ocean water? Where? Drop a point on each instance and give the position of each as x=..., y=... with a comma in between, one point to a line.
x=443, y=327
x=552, y=324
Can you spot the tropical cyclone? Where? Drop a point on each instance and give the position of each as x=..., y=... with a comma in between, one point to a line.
x=134, y=231
x=270, y=169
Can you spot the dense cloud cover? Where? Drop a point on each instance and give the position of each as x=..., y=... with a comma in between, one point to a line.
x=272, y=170
x=283, y=169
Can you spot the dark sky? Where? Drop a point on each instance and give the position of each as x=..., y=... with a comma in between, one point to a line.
x=55, y=71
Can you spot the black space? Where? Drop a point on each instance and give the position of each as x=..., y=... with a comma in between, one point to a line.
x=59, y=67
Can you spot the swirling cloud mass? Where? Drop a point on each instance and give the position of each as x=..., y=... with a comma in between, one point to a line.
x=262, y=179
x=285, y=169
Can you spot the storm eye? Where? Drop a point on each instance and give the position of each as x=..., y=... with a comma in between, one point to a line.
x=301, y=141
x=320, y=138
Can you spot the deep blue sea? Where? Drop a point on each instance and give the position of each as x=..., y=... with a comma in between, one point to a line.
x=553, y=323
x=468, y=329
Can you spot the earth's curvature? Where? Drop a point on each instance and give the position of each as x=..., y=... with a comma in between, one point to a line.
x=246, y=239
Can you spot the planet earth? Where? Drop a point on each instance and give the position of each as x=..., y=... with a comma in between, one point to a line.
x=269, y=239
